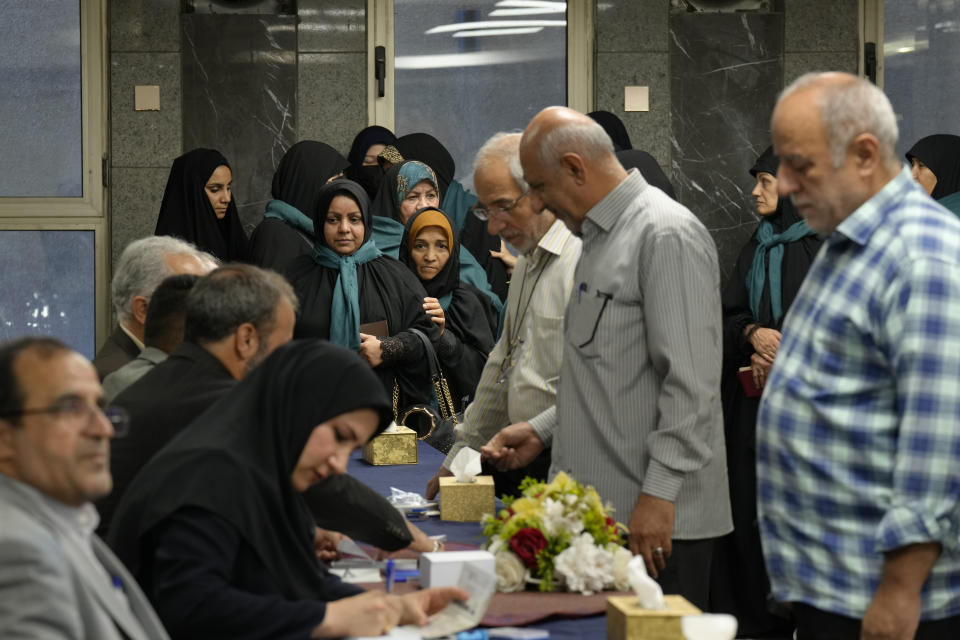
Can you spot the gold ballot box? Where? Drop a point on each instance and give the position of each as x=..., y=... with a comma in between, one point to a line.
x=466, y=501
x=397, y=445
x=627, y=620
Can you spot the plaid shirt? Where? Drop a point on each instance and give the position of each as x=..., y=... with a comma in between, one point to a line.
x=858, y=436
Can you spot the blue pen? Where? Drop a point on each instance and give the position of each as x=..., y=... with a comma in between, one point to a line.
x=389, y=572
x=580, y=290
x=117, y=582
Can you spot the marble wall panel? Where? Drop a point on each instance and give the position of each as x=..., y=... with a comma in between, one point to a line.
x=239, y=96
x=821, y=25
x=648, y=130
x=797, y=64
x=332, y=25
x=726, y=71
x=145, y=25
x=144, y=138
x=632, y=25
x=332, y=97
x=135, y=196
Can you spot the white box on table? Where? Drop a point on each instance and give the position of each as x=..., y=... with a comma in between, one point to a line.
x=442, y=568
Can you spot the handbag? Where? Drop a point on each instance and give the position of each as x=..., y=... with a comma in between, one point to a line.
x=436, y=429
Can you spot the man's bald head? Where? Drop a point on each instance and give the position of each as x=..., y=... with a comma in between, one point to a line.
x=568, y=160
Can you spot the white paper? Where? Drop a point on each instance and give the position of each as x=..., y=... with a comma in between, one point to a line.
x=466, y=465
x=460, y=616
x=348, y=547
x=648, y=591
x=709, y=626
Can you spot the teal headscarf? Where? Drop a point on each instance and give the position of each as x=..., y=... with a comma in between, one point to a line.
x=412, y=173
x=767, y=240
x=345, y=306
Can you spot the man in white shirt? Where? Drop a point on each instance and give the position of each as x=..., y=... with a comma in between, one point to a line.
x=519, y=380
x=59, y=580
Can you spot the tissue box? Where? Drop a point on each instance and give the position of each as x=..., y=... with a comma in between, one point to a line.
x=466, y=501
x=442, y=569
x=627, y=620
x=392, y=447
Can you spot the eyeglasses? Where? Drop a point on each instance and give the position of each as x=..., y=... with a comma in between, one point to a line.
x=500, y=210
x=79, y=414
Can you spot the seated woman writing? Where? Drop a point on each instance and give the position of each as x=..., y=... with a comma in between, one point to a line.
x=215, y=529
x=466, y=317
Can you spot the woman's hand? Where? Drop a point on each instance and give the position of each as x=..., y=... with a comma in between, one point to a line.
x=420, y=605
x=759, y=369
x=326, y=542
x=435, y=311
x=369, y=614
x=370, y=349
x=505, y=256
x=766, y=342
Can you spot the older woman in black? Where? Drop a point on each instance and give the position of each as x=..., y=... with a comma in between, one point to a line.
x=215, y=529
x=353, y=295
x=198, y=205
x=467, y=319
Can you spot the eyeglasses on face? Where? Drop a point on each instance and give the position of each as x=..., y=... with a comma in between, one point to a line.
x=500, y=211
x=79, y=414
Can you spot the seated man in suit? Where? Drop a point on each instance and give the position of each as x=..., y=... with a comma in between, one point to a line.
x=162, y=333
x=59, y=580
x=142, y=266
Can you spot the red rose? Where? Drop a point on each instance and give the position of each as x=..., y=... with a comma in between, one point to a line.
x=527, y=543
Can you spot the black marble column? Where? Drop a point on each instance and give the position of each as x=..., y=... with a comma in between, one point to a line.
x=726, y=70
x=239, y=96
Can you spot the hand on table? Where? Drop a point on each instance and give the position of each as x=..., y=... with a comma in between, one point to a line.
x=651, y=529
x=433, y=484
x=419, y=605
x=369, y=614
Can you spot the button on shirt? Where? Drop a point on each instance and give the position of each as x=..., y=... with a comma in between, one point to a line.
x=539, y=290
x=858, y=436
x=638, y=405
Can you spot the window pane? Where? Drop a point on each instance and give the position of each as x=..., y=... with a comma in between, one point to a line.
x=921, y=77
x=40, y=107
x=463, y=82
x=48, y=286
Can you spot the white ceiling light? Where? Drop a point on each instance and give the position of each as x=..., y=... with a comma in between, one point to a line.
x=477, y=33
x=532, y=4
x=530, y=11
x=495, y=24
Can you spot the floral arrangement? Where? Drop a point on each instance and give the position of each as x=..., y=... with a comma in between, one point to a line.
x=559, y=535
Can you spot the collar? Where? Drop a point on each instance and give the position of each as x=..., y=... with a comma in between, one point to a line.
x=153, y=355
x=196, y=354
x=605, y=213
x=554, y=239
x=135, y=339
x=860, y=225
x=80, y=521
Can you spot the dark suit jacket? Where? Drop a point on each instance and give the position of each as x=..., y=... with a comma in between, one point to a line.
x=117, y=351
x=175, y=392
x=161, y=404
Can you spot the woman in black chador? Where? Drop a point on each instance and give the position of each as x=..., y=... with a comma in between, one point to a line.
x=765, y=281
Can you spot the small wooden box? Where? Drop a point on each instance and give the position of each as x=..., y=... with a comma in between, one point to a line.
x=627, y=620
x=392, y=447
x=466, y=501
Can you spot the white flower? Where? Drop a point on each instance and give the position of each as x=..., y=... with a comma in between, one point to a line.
x=584, y=566
x=621, y=556
x=496, y=543
x=511, y=574
x=555, y=521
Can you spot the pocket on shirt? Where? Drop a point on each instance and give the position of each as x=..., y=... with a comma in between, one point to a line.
x=544, y=346
x=584, y=320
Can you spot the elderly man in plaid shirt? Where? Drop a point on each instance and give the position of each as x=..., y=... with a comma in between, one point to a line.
x=858, y=436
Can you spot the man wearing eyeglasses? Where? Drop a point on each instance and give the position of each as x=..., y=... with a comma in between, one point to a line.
x=519, y=380
x=58, y=579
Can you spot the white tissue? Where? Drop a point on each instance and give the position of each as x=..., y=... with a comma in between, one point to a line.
x=466, y=465
x=709, y=626
x=648, y=591
x=401, y=498
x=393, y=428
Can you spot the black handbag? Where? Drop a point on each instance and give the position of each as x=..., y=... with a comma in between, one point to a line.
x=433, y=428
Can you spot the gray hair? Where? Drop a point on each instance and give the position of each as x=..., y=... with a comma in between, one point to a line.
x=584, y=137
x=141, y=268
x=848, y=109
x=231, y=295
x=504, y=147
